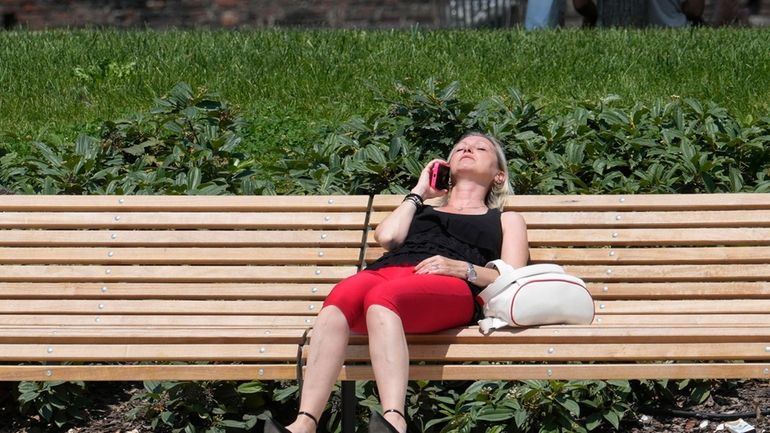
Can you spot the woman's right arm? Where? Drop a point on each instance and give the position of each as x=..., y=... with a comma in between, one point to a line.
x=392, y=231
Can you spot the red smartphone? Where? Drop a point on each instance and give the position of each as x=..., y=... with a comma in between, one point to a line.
x=439, y=176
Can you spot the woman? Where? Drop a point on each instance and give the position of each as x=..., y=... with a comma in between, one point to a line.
x=426, y=282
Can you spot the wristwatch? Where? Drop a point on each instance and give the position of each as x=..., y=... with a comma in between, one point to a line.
x=470, y=274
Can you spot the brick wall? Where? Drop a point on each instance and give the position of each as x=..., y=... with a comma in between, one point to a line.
x=160, y=14
x=39, y=14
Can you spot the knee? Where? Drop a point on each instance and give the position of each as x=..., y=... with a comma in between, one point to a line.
x=379, y=317
x=333, y=319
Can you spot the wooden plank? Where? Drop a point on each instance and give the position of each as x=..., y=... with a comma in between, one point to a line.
x=689, y=306
x=673, y=219
x=623, y=237
x=598, y=220
x=148, y=372
x=416, y=372
x=686, y=290
x=651, y=256
x=182, y=220
x=205, y=333
x=99, y=320
x=181, y=256
x=616, y=202
x=265, y=291
x=646, y=256
x=148, y=335
x=107, y=307
x=576, y=352
x=671, y=273
x=652, y=237
x=575, y=371
x=597, y=334
x=181, y=238
x=633, y=320
x=444, y=353
x=212, y=274
x=146, y=203
x=147, y=352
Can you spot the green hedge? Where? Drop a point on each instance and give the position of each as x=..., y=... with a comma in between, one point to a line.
x=192, y=143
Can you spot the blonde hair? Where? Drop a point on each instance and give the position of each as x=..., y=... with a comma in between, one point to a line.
x=498, y=192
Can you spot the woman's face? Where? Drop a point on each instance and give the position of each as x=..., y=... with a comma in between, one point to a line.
x=475, y=155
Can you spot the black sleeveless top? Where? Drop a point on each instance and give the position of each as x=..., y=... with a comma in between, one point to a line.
x=471, y=238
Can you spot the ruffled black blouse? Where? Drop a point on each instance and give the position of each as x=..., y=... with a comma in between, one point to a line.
x=470, y=238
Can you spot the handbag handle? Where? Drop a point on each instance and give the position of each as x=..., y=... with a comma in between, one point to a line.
x=508, y=275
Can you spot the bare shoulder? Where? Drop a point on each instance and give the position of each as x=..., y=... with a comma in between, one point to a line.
x=513, y=220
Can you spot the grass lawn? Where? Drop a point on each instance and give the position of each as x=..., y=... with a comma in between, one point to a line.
x=291, y=84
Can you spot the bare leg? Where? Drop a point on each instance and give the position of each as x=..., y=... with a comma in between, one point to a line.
x=390, y=360
x=327, y=354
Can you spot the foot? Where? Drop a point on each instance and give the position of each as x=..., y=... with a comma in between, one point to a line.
x=392, y=422
x=305, y=423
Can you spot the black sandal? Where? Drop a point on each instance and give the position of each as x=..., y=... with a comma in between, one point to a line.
x=378, y=423
x=272, y=426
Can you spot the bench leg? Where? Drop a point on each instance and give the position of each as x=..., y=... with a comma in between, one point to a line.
x=348, y=406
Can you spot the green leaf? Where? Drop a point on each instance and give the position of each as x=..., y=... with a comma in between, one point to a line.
x=193, y=178
x=251, y=387
x=613, y=418
x=494, y=415
x=572, y=406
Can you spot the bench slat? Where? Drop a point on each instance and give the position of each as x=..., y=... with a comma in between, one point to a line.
x=714, y=306
x=181, y=220
x=742, y=319
x=651, y=237
x=181, y=238
x=444, y=352
x=681, y=290
x=205, y=333
x=637, y=255
x=700, y=256
x=556, y=203
x=106, y=307
x=149, y=372
x=164, y=291
x=663, y=273
x=296, y=274
x=417, y=372
x=599, y=290
x=147, y=352
x=606, y=371
x=98, y=320
x=148, y=335
x=144, y=203
x=595, y=352
x=182, y=256
x=562, y=220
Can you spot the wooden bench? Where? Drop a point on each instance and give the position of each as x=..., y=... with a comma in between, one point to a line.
x=123, y=281
x=130, y=284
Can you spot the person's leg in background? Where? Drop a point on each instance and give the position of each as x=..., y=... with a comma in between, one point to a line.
x=544, y=14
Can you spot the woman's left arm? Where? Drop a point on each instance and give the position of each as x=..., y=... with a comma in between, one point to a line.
x=515, y=249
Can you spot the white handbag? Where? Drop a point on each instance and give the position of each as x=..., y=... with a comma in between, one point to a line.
x=534, y=295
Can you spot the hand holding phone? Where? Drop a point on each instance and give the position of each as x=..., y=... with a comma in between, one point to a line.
x=439, y=176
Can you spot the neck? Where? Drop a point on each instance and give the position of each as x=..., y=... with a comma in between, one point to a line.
x=467, y=196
